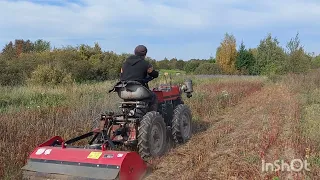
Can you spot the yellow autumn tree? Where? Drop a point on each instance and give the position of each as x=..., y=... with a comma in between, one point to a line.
x=226, y=54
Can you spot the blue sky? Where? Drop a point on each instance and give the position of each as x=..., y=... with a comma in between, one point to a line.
x=169, y=28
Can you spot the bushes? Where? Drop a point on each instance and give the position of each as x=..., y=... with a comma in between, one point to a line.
x=50, y=75
x=208, y=68
x=64, y=65
x=20, y=61
x=11, y=73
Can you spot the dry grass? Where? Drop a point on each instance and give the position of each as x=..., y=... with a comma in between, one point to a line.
x=194, y=160
x=280, y=122
x=236, y=143
x=307, y=89
x=29, y=115
x=25, y=127
x=238, y=122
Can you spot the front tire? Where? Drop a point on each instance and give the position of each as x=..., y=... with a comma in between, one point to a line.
x=152, y=135
x=181, y=124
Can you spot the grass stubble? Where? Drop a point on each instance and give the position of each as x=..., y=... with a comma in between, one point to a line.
x=238, y=122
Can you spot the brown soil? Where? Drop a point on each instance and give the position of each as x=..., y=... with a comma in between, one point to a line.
x=262, y=126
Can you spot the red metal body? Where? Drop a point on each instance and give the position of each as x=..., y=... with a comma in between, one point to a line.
x=125, y=165
x=165, y=93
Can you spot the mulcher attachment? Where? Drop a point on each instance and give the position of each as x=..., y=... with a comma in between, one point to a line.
x=54, y=162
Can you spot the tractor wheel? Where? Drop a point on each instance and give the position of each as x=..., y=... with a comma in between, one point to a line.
x=181, y=124
x=152, y=135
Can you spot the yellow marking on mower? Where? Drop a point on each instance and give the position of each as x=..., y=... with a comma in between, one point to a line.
x=94, y=155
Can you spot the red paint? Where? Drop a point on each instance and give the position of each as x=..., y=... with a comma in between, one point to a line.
x=159, y=96
x=132, y=167
x=165, y=93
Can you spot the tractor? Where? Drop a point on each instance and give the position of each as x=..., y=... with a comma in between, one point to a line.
x=147, y=133
x=150, y=132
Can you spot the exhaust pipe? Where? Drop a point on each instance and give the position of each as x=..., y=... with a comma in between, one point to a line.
x=187, y=87
x=188, y=84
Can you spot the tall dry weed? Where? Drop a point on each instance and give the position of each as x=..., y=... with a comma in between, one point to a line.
x=307, y=88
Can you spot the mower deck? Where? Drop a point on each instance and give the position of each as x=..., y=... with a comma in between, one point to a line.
x=73, y=162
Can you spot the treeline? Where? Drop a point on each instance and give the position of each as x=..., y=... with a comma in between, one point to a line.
x=269, y=58
x=24, y=61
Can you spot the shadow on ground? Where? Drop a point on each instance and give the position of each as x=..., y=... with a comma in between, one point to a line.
x=200, y=126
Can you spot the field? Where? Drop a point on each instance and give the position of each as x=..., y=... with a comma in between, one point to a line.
x=172, y=72
x=238, y=122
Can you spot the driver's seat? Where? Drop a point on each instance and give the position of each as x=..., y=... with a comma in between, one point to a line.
x=132, y=90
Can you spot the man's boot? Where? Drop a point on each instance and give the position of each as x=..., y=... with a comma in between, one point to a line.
x=154, y=104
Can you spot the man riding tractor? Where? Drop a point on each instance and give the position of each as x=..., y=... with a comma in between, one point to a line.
x=136, y=68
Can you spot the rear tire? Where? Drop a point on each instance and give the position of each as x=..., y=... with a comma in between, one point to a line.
x=181, y=124
x=152, y=135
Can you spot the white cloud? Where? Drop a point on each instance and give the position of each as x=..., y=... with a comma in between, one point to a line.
x=101, y=16
x=115, y=20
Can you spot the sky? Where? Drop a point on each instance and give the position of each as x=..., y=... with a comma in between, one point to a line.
x=182, y=29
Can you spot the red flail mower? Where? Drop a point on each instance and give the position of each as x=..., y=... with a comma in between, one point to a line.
x=145, y=132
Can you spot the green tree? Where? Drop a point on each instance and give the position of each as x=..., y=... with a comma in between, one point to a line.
x=270, y=57
x=297, y=60
x=97, y=49
x=28, y=46
x=86, y=51
x=8, y=52
x=212, y=59
x=172, y=63
x=164, y=64
x=245, y=60
x=315, y=62
x=208, y=68
x=41, y=45
x=153, y=62
x=180, y=65
x=254, y=52
x=191, y=65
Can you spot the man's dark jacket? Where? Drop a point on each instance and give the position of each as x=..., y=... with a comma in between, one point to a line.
x=135, y=69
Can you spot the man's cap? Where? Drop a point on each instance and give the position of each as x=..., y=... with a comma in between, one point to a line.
x=140, y=50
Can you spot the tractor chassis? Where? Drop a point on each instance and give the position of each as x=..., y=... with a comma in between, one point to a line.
x=103, y=136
